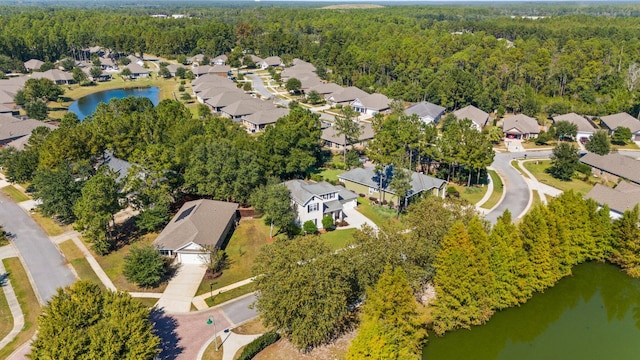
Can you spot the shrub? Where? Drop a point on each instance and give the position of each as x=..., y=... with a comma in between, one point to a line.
x=584, y=169
x=144, y=266
x=309, y=227
x=180, y=88
x=327, y=222
x=185, y=96
x=259, y=344
x=361, y=195
x=316, y=177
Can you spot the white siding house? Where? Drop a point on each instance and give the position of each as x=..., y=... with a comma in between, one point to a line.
x=313, y=201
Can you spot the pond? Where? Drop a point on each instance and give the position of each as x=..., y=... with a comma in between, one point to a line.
x=594, y=314
x=86, y=105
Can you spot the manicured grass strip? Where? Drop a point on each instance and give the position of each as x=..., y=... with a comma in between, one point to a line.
x=211, y=354
x=48, y=224
x=28, y=303
x=515, y=164
x=497, y=191
x=338, y=239
x=6, y=319
x=80, y=264
x=330, y=174
x=536, y=198
x=148, y=302
x=231, y=294
x=537, y=169
x=15, y=194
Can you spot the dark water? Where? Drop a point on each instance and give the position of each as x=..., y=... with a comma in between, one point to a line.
x=85, y=106
x=595, y=314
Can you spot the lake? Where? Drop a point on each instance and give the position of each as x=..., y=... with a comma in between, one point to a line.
x=594, y=314
x=86, y=105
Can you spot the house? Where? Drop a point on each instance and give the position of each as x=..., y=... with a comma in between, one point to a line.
x=242, y=108
x=220, y=70
x=313, y=201
x=371, y=104
x=625, y=196
x=271, y=61
x=374, y=184
x=612, y=122
x=219, y=60
x=104, y=75
x=59, y=77
x=199, y=71
x=345, y=96
x=520, y=126
x=33, y=64
x=333, y=141
x=107, y=64
x=324, y=89
x=197, y=225
x=613, y=166
x=117, y=165
x=13, y=128
x=427, y=112
x=6, y=109
x=259, y=120
x=585, y=127
x=173, y=68
x=478, y=117
x=224, y=97
x=137, y=71
x=196, y=60
x=135, y=60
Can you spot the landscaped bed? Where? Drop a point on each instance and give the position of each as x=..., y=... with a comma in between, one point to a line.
x=379, y=214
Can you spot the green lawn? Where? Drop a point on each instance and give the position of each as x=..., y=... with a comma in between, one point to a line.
x=28, y=303
x=6, y=319
x=497, y=191
x=472, y=194
x=231, y=294
x=247, y=239
x=515, y=164
x=15, y=194
x=49, y=225
x=148, y=302
x=338, y=239
x=330, y=174
x=79, y=262
x=537, y=169
x=376, y=213
x=630, y=146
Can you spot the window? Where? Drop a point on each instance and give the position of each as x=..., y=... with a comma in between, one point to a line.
x=328, y=196
x=313, y=207
x=165, y=252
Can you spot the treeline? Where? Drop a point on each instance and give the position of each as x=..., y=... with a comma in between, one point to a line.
x=173, y=156
x=448, y=55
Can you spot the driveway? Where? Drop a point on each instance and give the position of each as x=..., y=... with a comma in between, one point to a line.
x=258, y=85
x=356, y=220
x=178, y=295
x=45, y=265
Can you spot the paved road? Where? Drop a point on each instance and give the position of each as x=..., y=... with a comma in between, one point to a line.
x=258, y=85
x=238, y=311
x=44, y=262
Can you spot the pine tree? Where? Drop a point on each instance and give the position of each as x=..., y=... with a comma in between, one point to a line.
x=537, y=243
x=481, y=260
x=391, y=326
x=626, y=252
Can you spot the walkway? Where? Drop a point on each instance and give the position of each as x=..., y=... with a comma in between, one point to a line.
x=178, y=295
x=14, y=306
x=200, y=303
x=534, y=184
x=231, y=341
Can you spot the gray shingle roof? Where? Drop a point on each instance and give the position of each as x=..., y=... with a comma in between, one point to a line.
x=326, y=88
x=583, y=124
x=200, y=221
x=302, y=191
x=245, y=107
x=137, y=69
x=621, y=120
x=615, y=164
x=369, y=177
x=331, y=134
x=425, y=109
x=347, y=94
x=474, y=114
x=33, y=64
x=265, y=117
x=53, y=75
x=624, y=197
x=273, y=61
x=119, y=166
x=12, y=127
x=224, y=98
x=374, y=101
x=520, y=124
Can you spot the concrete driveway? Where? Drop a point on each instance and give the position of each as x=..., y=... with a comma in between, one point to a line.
x=45, y=265
x=178, y=295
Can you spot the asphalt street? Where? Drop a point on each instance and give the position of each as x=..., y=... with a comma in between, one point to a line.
x=44, y=263
x=240, y=310
x=258, y=85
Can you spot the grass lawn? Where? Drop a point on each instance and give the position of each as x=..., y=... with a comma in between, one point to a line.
x=338, y=239
x=497, y=191
x=6, y=319
x=250, y=328
x=28, y=303
x=537, y=169
x=15, y=194
x=247, y=239
x=211, y=354
x=49, y=225
x=472, y=194
x=376, y=213
x=630, y=146
x=515, y=164
x=330, y=174
x=80, y=264
x=148, y=302
x=231, y=294
x=535, y=198
x=113, y=265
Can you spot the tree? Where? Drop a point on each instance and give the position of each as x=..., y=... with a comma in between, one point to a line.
x=78, y=75
x=346, y=126
x=247, y=61
x=95, y=209
x=401, y=184
x=495, y=134
x=310, y=227
x=274, y=202
x=144, y=266
x=43, y=89
x=84, y=321
x=215, y=259
x=181, y=72
x=293, y=85
x=58, y=190
x=21, y=165
x=327, y=222
x=626, y=251
x=564, y=161
x=67, y=64
x=621, y=135
x=164, y=72
x=95, y=72
x=565, y=129
x=599, y=143
x=36, y=109
x=313, y=97
x=125, y=73
x=391, y=326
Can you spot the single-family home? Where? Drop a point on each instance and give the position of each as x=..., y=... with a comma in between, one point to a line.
x=135, y=60
x=612, y=122
x=376, y=184
x=478, y=117
x=198, y=225
x=6, y=109
x=223, y=98
x=371, y=104
x=345, y=96
x=119, y=166
x=137, y=71
x=336, y=142
x=324, y=89
x=196, y=60
x=255, y=59
x=259, y=120
x=59, y=77
x=271, y=61
x=313, y=201
x=12, y=128
x=173, y=68
x=613, y=166
x=33, y=64
x=625, y=196
x=520, y=126
x=107, y=63
x=242, y=108
x=219, y=60
x=199, y=71
x=427, y=112
x=220, y=70
x=585, y=127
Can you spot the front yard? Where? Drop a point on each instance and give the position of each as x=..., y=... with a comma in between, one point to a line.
x=379, y=214
x=538, y=170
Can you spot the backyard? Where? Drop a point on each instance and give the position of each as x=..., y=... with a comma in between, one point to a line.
x=538, y=170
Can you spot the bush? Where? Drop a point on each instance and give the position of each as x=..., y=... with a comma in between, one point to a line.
x=361, y=195
x=327, y=222
x=181, y=88
x=185, y=96
x=584, y=169
x=259, y=344
x=144, y=266
x=309, y=227
x=316, y=177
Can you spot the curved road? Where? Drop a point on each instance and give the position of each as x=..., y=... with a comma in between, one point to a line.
x=258, y=85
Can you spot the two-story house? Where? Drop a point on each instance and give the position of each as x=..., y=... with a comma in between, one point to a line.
x=313, y=201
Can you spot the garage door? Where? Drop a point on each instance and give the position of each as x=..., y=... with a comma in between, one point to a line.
x=190, y=258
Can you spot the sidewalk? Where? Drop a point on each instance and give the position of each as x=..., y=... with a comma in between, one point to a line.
x=534, y=184
x=486, y=196
x=12, y=300
x=199, y=301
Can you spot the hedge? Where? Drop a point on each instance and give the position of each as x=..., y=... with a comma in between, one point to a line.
x=253, y=348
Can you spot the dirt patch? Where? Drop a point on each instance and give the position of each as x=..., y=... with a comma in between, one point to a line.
x=285, y=350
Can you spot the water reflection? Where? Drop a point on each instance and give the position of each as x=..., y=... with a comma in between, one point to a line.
x=85, y=106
